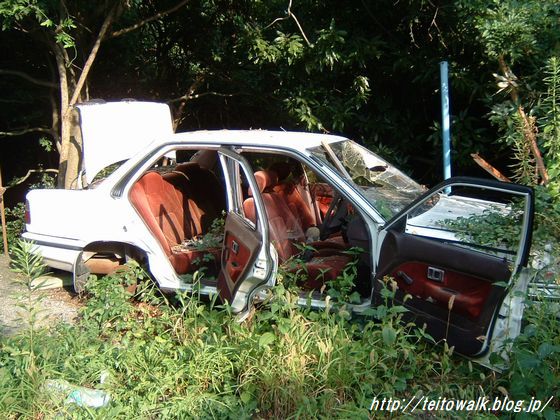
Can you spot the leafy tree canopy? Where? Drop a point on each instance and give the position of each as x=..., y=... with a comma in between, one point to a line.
x=365, y=69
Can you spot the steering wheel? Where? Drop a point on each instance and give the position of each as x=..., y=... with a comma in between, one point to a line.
x=333, y=217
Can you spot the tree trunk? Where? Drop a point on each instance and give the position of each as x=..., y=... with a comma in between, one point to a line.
x=71, y=86
x=64, y=120
x=70, y=144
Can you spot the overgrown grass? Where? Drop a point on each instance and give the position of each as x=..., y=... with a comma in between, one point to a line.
x=192, y=359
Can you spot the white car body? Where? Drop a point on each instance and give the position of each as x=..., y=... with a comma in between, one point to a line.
x=70, y=226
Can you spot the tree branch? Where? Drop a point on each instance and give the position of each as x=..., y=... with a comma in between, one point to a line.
x=192, y=88
x=529, y=127
x=181, y=109
x=300, y=29
x=28, y=174
x=23, y=131
x=434, y=24
x=489, y=168
x=289, y=15
x=148, y=20
x=89, y=62
x=29, y=78
x=188, y=96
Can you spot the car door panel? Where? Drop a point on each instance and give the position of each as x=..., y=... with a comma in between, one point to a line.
x=241, y=248
x=466, y=335
x=467, y=276
x=405, y=247
x=455, y=285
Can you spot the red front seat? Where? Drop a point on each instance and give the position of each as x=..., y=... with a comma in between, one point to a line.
x=285, y=231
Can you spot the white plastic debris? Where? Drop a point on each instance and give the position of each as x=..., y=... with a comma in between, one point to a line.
x=79, y=395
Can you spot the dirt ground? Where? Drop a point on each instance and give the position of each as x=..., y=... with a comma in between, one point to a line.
x=56, y=305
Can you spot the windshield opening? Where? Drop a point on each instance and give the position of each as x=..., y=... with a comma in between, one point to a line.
x=387, y=188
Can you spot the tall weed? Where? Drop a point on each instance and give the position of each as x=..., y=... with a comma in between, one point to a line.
x=21, y=359
x=181, y=357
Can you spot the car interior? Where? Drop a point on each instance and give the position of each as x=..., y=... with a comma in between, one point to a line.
x=297, y=203
x=180, y=201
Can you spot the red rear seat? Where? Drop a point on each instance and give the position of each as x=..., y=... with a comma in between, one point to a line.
x=172, y=216
x=206, y=191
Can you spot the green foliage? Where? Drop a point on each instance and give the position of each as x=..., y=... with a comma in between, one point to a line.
x=501, y=230
x=493, y=228
x=46, y=144
x=342, y=288
x=212, y=239
x=192, y=359
x=15, y=224
x=110, y=305
x=14, y=12
x=21, y=360
x=368, y=70
x=549, y=124
x=27, y=263
x=550, y=108
x=293, y=275
x=547, y=220
x=535, y=357
x=509, y=28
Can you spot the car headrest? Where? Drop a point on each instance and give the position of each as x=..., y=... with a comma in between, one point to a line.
x=176, y=178
x=265, y=180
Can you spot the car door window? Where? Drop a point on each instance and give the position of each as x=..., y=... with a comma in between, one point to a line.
x=490, y=225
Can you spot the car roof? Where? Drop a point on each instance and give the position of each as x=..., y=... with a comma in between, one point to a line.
x=287, y=139
x=115, y=131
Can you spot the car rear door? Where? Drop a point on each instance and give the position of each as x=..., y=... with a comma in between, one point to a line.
x=456, y=252
x=247, y=260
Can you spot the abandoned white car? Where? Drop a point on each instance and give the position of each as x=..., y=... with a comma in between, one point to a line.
x=237, y=206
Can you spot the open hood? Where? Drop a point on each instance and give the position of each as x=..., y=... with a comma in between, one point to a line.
x=114, y=131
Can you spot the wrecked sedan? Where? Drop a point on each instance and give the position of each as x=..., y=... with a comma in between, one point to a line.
x=224, y=211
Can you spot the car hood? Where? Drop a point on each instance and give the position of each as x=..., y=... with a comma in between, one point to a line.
x=114, y=131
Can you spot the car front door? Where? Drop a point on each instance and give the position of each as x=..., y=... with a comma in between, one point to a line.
x=454, y=254
x=247, y=261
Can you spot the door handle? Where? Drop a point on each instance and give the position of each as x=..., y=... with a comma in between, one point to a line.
x=405, y=277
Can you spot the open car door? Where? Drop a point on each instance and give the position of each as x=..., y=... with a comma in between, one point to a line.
x=246, y=262
x=456, y=251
